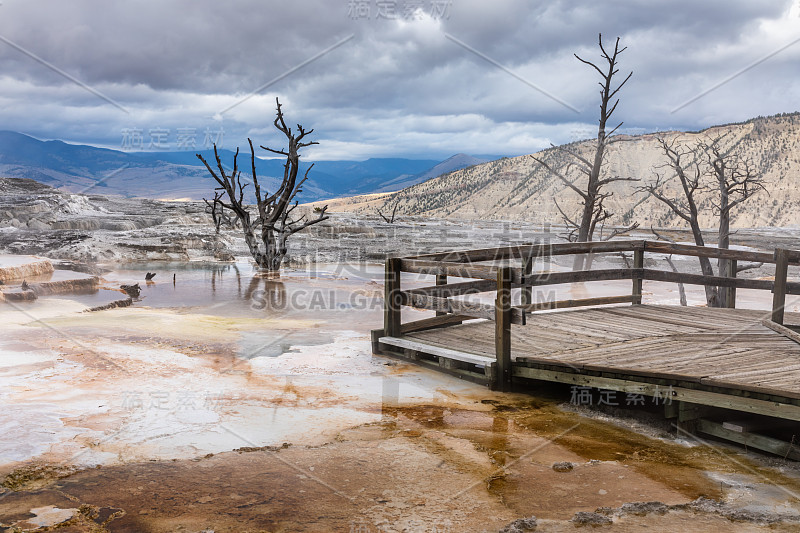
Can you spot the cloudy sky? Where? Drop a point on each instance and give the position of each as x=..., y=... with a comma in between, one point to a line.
x=382, y=78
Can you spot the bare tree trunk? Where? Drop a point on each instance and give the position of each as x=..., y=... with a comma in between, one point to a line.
x=593, y=212
x=266, y=236
x=681, y=287
x=689, y=176
x=593, y=200
x=712, y=293
x=736, y=180
x=724, y=241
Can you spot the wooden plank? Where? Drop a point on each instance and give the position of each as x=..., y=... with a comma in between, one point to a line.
x=783, y=330
x=457, y=289
x=759, y=372
x=439, y=351
x=661, y=247
x=578, y=276
x=534, y=250
x=751, y=425
x=582, y=302
x=585, y=352
x=544, y=250
x=474, y=377
x=638, y=313
x=460, y=270
x=435, y=322
x=502, y=332
x=461, y=307
x=779, y=290
x=699, y=279
x=751, y=440
x=714, y=399
x=641, y=326
x=713, y=317
x=570, y=328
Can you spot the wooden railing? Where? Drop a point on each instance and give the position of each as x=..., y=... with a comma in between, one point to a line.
x=502, y=278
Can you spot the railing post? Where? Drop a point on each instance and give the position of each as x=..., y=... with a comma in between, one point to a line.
x=502, y=332
x=638, y=263
x=730, y=296
x=392, y=305
x=779, y=287
x=527, y=270
x=441, y=279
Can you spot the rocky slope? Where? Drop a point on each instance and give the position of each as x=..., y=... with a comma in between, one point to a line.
x=37, y=219
x=520, y=189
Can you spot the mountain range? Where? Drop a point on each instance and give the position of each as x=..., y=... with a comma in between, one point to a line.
x=180, y=175
x=519, y=188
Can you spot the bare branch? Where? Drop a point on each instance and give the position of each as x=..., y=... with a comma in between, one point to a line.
x=557, y=174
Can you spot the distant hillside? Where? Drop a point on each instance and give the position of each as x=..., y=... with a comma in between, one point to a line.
x=520, y=189
x=457, y=162
x=180, y=175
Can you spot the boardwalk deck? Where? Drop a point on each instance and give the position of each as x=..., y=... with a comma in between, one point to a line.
x=715, y=347
x=710, y=361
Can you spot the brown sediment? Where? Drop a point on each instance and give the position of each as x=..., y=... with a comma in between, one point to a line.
x=26, y=267
x=68, y=286
x=455, y=462
x=17, y=295
x=436, y=466
x=34, y=475
x=113, y=305
x=675, y=465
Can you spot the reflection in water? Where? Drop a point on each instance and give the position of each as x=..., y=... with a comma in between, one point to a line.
x=272, y=296
x=217, y=270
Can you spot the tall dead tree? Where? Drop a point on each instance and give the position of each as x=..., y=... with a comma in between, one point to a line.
x=594, y=213
x=267, y=230
x=736, y=180
x=682, y=163
x=681, y=288
x=705, y=169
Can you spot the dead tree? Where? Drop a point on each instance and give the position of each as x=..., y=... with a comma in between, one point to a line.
x=671, y=263
x=683, y=164
x=389, y=220
x=736, y=180
x=705, y=168
x=593, y=195
x=267, y=230
x=217, y=212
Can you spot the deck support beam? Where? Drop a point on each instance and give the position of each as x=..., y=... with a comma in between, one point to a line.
x=779, y=287
x=527, y=270
x=441, y=279
x=781, y=448
x=502, y=336
x=730, y=292
x=678, y=394
x=638, y=264
x=392, y=303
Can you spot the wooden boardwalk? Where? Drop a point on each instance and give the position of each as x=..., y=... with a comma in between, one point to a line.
x=716, y=347
x=712, y=364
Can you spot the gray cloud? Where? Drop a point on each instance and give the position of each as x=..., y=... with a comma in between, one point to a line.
x=398, y=87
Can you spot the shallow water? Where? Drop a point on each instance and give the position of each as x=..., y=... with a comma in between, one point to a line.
x=159, y=395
